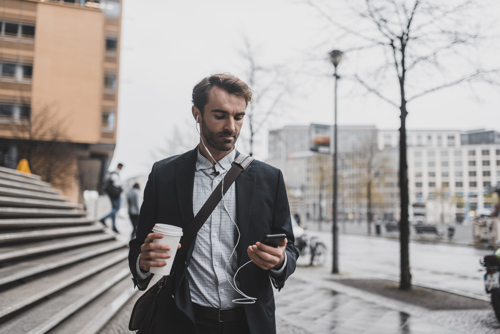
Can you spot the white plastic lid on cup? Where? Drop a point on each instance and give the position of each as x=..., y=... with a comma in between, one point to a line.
x=168, y=229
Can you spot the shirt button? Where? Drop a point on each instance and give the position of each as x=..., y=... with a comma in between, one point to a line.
x=221, y=290
x=216, y=264
x=215, y=234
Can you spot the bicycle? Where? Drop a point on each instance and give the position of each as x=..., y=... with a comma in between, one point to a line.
x=312, y=246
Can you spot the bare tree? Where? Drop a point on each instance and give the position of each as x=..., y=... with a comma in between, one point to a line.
x=44, y=144
x=419, y=47
x=176, y=142
x=374, y=168
x=269, y=84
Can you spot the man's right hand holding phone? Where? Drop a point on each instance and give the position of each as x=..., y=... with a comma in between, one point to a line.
x=268, y=257
x=149, y=253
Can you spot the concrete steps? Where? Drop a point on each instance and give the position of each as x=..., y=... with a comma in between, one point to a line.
x=70, y=301
x=10, y=212
x=16, y=224
x=38, y=265
x=26, y=186
x=12, y=252
x=24, y=236
x=31, y=194
x=60, y=272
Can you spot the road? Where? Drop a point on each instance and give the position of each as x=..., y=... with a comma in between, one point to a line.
x=444, y=266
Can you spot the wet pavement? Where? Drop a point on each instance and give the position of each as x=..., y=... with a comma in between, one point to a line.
x=440, y=265
x=315, y=302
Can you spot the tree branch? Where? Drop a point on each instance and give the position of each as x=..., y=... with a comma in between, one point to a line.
x=467, y=78
x=374, y=91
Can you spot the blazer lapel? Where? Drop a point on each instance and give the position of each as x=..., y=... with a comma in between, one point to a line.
x=184, y=183
x=245, y=185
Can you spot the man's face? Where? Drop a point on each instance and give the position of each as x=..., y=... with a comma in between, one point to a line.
x=222, y=119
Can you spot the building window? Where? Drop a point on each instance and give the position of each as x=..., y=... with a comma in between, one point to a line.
x=430, y=153
x=14, y=29
x=485, y=152
x=16, y=71
x=472, y=163
x=108, y=120
x=27, y=31
x=486, y=184
x=458, y=174
x=432, y=184
x=419, y=164
x=444, y=163
x=8, y=70
x=445, y=184
x=486, y=162
x=432, y=174
x=429, y=139
x=458, y=163
x=417, y=154
x=444, y=174
x=473, y=184
x=14, y=112
x=457, y=153
x=458, y=184
x=498, y=152
x=472, y=173
x=431, y=164
x=418, y=184
x=110, y=82
x=498, y=162
x=486, y=173
x=444, y=153
x=498, y=173
x=472, y=152
x=418, y=174
x=111, y=44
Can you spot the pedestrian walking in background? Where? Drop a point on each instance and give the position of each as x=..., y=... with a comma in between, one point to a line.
x=133, y=202
x=112, y=186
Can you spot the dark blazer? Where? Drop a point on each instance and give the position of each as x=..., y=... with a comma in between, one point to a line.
x=261, y=208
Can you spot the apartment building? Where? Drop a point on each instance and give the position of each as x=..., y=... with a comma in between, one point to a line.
x=449, y=172
x=308, y=171
x=59, y=71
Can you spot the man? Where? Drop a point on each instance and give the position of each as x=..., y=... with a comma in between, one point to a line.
x=115, y=198
x=133, y=204
x=199, y=297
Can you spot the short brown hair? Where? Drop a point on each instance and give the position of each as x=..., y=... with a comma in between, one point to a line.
x=225, y=81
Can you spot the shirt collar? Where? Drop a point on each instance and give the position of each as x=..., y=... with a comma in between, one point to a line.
x=203, y=163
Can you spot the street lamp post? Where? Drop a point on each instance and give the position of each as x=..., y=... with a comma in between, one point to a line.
x=335, y=58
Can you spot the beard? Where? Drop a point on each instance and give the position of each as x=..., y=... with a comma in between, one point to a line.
x=216, y=140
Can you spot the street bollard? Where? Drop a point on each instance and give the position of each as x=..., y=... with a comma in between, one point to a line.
x=377, y=229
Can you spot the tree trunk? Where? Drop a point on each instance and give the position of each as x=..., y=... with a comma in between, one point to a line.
x=404, y=225
x=369, y=206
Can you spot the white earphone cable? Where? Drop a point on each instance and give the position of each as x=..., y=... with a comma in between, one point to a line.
x=246, y=299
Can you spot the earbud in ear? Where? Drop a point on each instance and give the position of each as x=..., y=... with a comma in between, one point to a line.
x=197, y=115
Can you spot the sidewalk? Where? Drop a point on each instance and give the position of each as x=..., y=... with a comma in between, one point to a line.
x=463, y=233
x=316, y=302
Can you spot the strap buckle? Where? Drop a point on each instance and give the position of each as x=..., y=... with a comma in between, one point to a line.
x=220, y=315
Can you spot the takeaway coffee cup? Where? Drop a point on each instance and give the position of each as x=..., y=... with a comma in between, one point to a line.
x=171, y=236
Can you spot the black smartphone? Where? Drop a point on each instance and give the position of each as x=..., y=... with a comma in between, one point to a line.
x=273, y=240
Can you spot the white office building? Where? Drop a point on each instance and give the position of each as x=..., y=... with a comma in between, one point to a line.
x=449, y=172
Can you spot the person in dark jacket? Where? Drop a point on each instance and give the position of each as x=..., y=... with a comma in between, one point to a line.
x=225, y=284
x=133, y=203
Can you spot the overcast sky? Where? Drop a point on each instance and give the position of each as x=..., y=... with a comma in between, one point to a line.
x=167, y=47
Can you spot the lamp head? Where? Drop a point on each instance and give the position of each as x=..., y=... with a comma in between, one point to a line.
x=336, y=57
